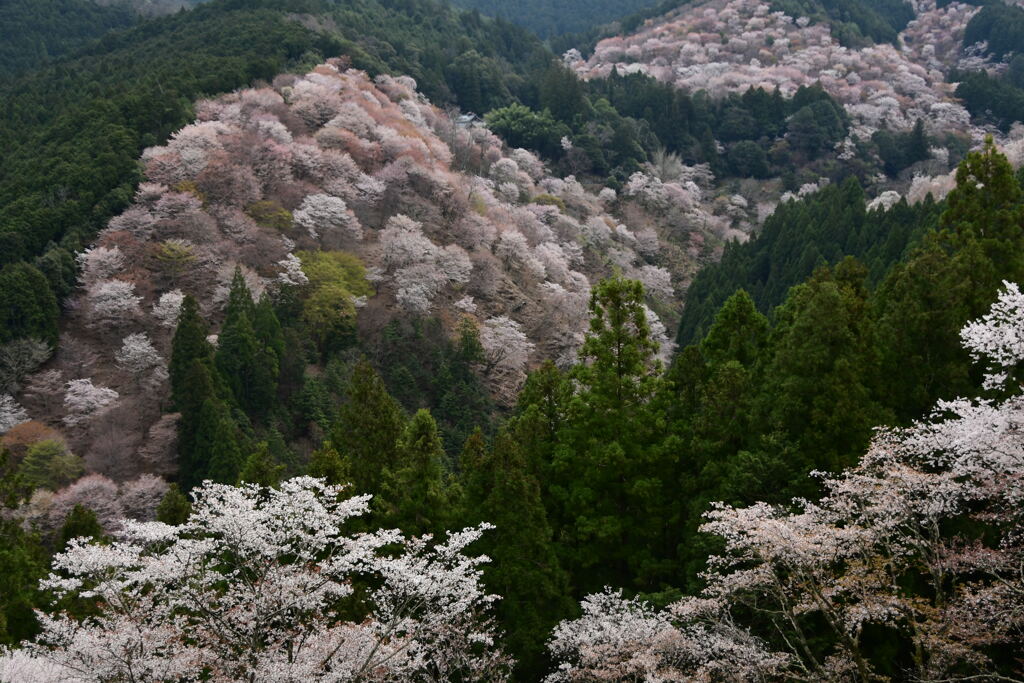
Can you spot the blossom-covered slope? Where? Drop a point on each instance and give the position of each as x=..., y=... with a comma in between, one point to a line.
x=446, y=220
x=724, y=46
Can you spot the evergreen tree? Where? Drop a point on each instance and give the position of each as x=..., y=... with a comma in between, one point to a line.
x=606, y=476
x=217, y=452
x=22, y=562
x=248, y=368
x=174, y=508
x=368, y=429
x=326, y=462
x=81, y=522
x=524, y=569
x=201, y=389
x=189, y=345
x=739, y=333
x=819, y=384
x=28, y=307
x=261, y=468
x=414, y=494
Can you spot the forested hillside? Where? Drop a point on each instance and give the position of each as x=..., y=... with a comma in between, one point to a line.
x=369, y=340
x=549, y=18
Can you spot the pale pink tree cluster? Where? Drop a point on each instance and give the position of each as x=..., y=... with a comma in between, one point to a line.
x=728, y=47
x=137, y=354
x=11, y=413
x=920, y=540
x=168, y=307
x=620, y=639
x=83, y=401
x=259, y=584
x=417, y=267
x=137, y=499
x=327, y=217
x=112, y=302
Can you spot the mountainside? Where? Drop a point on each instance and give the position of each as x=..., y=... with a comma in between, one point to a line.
x=549, y=18
x=724, y=47
x=430, y=218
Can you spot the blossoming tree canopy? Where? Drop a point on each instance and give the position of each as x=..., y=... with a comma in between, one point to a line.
x=267, y=584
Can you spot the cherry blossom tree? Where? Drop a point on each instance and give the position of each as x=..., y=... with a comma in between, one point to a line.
x=505, y=344
x=324, y=215
x=112, y=302
x=617, y=639
x=291, y=271
x=11, y=414
x=167, y=309
x=83, y=400
x=137, y=354
x=258, y=585
x=100, y=263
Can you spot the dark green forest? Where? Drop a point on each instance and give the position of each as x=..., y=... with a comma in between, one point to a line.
x=548, y=18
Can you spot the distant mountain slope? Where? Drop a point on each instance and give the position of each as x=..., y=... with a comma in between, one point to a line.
x=555, y=17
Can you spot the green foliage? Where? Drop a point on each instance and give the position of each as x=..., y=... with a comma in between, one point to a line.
x=247, y=364
x=270, y=214
x=174, y=256
x=367, y=431
x=33, y=32
x=798, y=237
x=739, y=333
x=550, y=200
x=414, y=495
x=520, y=126
x=501, y=488
x=216, y=451
x=261, y=468
x=336, y=278
x=423, y=368
x=28, y=307
x=990, y=99
x=49, y=464
x=174, y=508
x=81, y=522
x=189, y=345
x=549, y=18
x=23, y=562
x=900, y=150
x=819, y=385
x=854, y=22
x=326, y=462
x=605, y=476
x=999, y=25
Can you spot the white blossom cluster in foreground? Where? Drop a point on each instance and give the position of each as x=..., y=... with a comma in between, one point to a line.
x=267, y=585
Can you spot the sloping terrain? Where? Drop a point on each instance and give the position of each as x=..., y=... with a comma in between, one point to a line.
x=331, y=172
